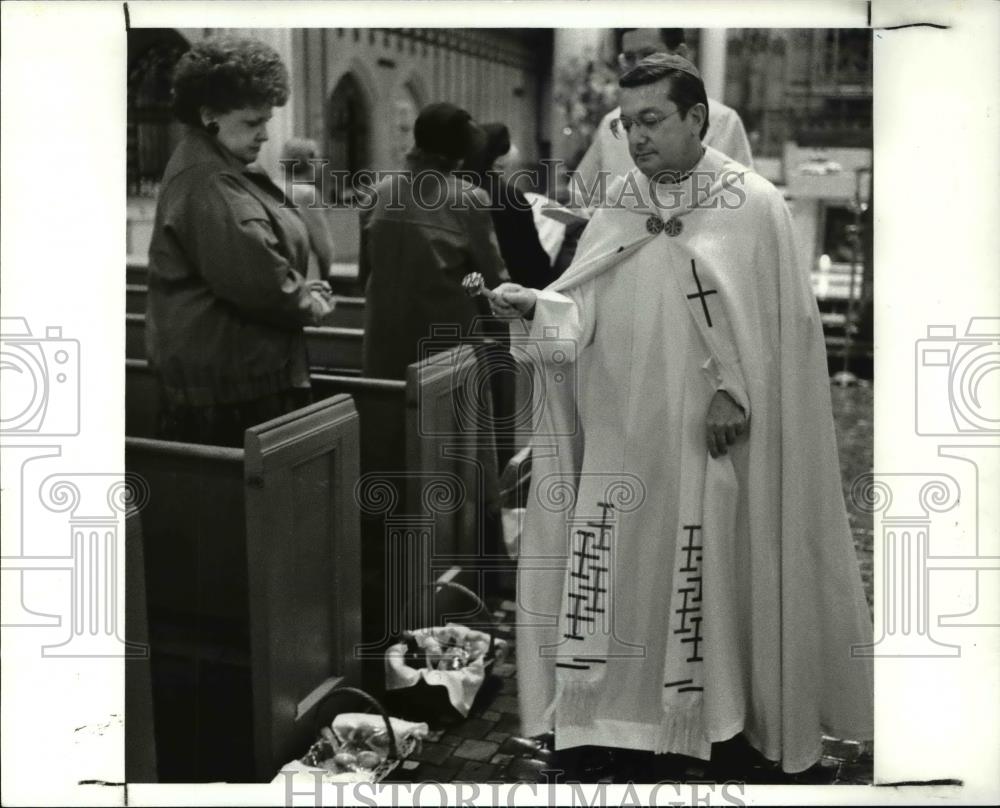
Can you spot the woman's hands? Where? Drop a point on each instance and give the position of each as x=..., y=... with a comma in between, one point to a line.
x=323, y=302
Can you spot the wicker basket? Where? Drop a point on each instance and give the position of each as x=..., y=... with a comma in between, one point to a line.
x=418, y=692
x=403, y=739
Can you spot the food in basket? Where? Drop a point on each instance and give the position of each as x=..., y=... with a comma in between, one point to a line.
x=361, y=748
x=345, y=760
x=369, y=760
x=445, y=649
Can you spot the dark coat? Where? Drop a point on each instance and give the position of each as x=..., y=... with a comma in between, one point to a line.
x=227, y=298
x=414, y=259
x=522, y=252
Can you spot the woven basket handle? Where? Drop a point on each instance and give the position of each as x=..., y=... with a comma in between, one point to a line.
x=337, y=691
x=439, y=585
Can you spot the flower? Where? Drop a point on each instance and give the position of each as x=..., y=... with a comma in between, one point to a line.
x=586, y=89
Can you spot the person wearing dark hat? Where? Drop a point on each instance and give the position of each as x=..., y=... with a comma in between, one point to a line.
x=710, y=585
x=421, y=237
x=608, y=153
x=510, y=210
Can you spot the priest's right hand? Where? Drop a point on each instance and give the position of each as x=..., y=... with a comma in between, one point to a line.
x=513, y=300
x=724, y=424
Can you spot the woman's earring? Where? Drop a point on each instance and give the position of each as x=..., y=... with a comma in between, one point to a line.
x=213, y=127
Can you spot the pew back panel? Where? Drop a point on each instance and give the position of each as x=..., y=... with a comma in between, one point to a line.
x=194, y=537
x=135, y=336
x=449, y=437
x=136, y=273
x=135, y=298
x=348, y=312
x=142, y=399
x=140, y=733
x=304, y=555
x=331, y=350
x=335, y=350
x=375, y=399
x=252, y=576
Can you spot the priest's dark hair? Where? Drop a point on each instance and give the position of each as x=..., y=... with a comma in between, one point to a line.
x=673, y=38
x=685, y=90
x=225, y=73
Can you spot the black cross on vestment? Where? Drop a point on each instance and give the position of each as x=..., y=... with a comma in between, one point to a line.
x=691, y=548
x=702, y=293
x=592, y=562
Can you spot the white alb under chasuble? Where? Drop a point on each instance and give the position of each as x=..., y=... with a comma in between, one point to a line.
x=668, y=600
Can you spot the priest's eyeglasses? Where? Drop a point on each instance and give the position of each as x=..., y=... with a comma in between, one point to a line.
x=620, y=127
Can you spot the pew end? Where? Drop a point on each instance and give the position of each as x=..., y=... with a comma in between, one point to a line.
x=252, y=574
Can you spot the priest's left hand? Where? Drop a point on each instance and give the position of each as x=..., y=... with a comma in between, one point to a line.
x=725, y=422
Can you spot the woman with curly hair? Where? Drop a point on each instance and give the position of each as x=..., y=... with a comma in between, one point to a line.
x=227, y=263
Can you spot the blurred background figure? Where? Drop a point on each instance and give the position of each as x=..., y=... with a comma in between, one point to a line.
x=304, y=191
x=227, y=294
x=421, y=239
x=490, y=165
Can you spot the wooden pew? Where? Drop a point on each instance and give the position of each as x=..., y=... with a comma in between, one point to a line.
x=417, y=442
x=140, y=732
x=142, y=402
x=252, y=580
x=135, y=336
x=335, y=350
x=135, y=298
x=331, y=350
x=142, y=396
x=349, y=312
x=136, y=273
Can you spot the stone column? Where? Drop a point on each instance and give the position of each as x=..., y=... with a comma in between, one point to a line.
x=712, y=61
x=282, y=125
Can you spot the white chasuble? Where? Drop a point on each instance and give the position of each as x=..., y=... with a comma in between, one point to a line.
x=668, y=600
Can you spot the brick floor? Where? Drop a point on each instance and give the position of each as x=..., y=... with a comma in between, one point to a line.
x=487, y=747
x=474, y=728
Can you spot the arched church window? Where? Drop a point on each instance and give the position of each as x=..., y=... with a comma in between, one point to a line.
x=348, y=133
x=151, y=130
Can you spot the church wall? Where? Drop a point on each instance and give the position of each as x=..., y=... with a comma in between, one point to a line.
x=486, y=72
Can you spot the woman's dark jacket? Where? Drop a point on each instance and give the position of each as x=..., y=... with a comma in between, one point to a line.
x=227, y=300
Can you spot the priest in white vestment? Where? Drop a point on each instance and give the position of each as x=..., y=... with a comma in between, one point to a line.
x=609, y=155
x=686, y=570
